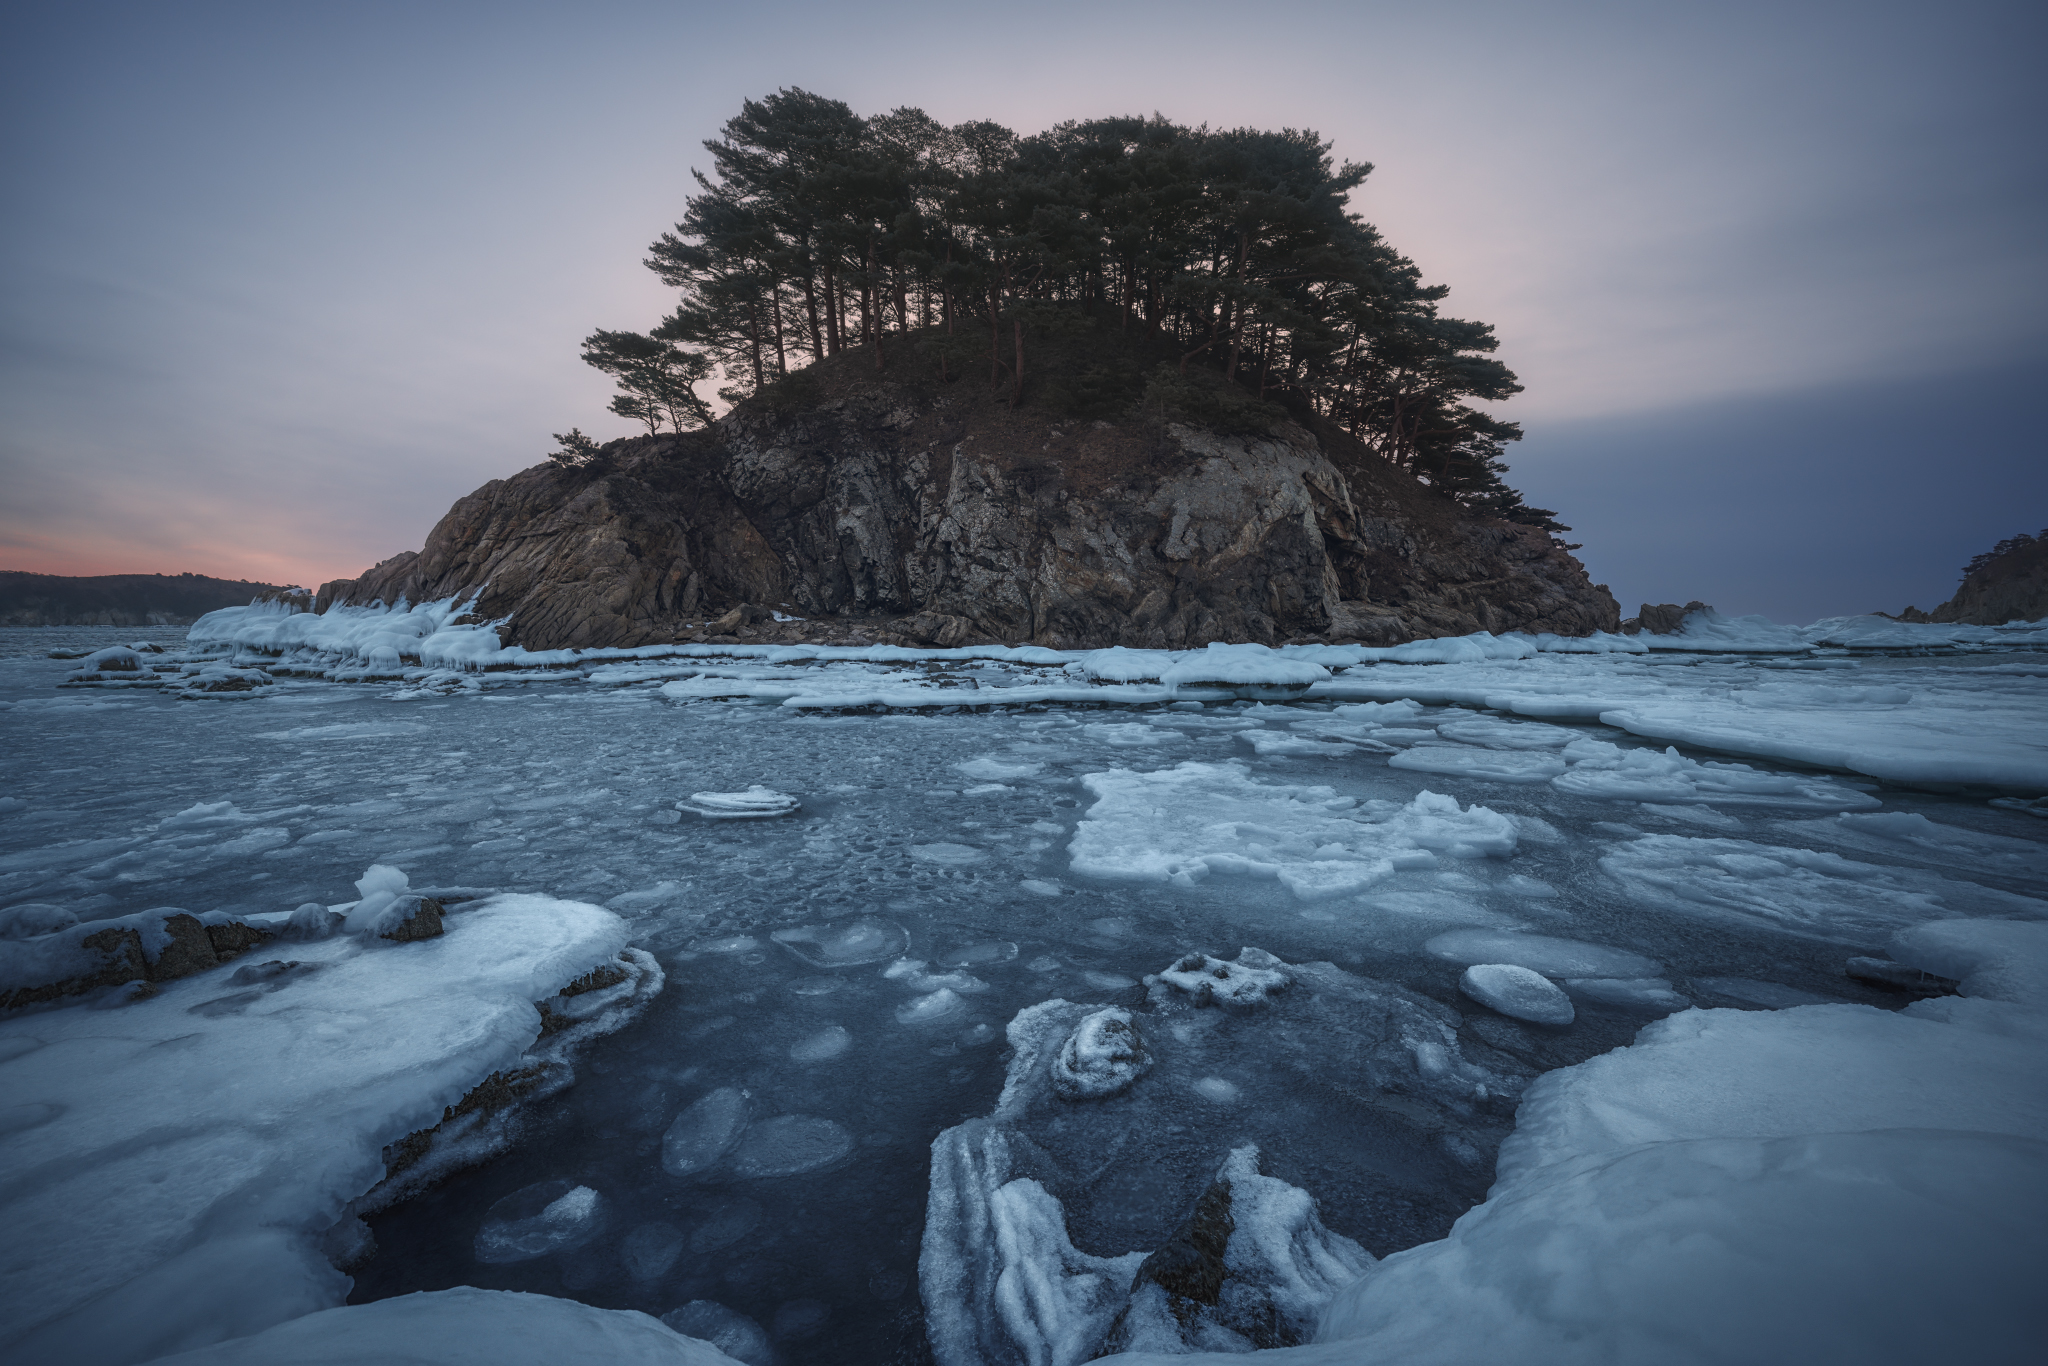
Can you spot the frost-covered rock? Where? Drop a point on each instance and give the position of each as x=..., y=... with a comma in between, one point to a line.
x=1518, y=992
x=1102, y=1055
x=1255, y=976
x=1252, y=1267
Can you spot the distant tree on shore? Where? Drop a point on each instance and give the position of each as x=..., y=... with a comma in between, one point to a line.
x=819, y=231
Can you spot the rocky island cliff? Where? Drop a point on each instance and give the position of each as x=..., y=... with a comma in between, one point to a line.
x=936, y=514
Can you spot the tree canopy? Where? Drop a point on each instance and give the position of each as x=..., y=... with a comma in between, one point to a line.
x=818, y=231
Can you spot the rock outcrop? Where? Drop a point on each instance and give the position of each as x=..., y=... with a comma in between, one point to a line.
x=2008, y=584
x=930, y=514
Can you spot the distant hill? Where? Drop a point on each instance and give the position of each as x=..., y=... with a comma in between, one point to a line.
x=119, y=599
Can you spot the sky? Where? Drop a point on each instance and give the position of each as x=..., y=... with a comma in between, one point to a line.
x=281, y=282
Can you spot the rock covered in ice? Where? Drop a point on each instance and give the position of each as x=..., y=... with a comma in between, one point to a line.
x=553, y=1216
x=289, y=1094
x=704, y=1132
x=755, y=802
x=1248, y=981
x=844, y=943
x=1517, y=991
x=1101, y=1056
x=1252, y=1267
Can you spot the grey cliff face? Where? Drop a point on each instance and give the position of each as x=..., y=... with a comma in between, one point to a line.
x=932, y=519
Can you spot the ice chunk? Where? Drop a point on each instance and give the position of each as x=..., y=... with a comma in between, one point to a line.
x=1187, y=823
x=650, y=1250
x=1518, y=992
x=553, y=1216
x=1040, y=887
x=725, y=1223
x=844, y=943
x=911, y=972
x=703, y=1132
x=826, y=1044
x=1540, y=953
x=1496, y=733
x=754, y=803
x=800, y=1320
x=993, y=769
x=937, y=1005
x=1773, y=995
x=789, y=1144
x=1128, y=733
x=1102, y=1055
x=947, y=855
x=1800, y=891
x=730, y=1331
x=1255, y=976
x=978, y=954
x=1276, y=744
x=1600, y=769
x=1218, y=1090
x=1480, y=765
x=1645, y=993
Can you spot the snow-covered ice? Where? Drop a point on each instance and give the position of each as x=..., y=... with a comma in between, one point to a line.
x=1006, y=910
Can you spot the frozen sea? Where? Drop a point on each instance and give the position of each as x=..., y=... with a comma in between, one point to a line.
x=843, y=978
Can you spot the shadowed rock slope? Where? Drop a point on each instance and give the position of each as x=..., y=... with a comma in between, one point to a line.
x=902, y=509
x=2009, y=583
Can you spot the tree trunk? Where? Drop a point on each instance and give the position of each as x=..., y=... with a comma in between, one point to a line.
x=1017, y=381
x=811, y=313
x=775, y=317
x=754, y=340
x=831, y=310
x=871, y=305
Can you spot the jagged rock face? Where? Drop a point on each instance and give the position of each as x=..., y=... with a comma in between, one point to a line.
x=953, y=520
x=2011, y=587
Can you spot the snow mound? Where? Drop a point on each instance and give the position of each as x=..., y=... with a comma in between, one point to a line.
x=463, y=1325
